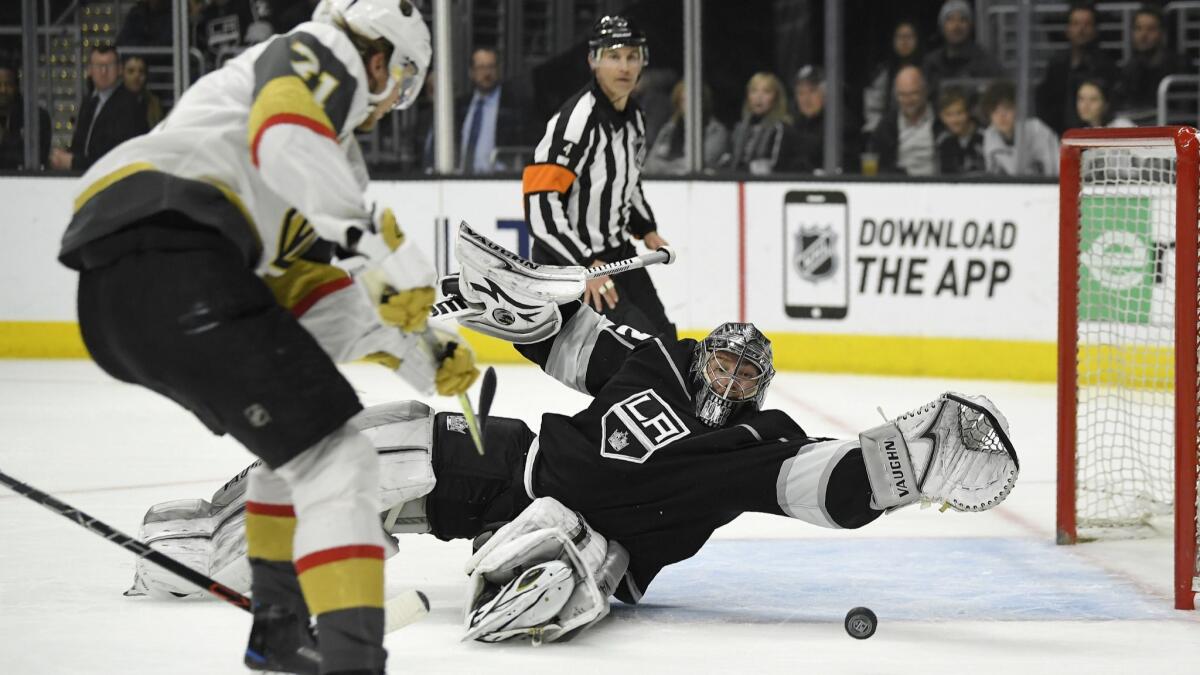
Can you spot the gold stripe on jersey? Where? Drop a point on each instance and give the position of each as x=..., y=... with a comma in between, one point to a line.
x=107, y=181
x=304, y=282
x=342, y=578
x=286, y=100
x=269, y=537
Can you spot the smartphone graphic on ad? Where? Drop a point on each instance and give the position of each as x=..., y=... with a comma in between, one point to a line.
x=816, y=278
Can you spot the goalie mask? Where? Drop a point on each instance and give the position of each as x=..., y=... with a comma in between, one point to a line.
x=397, y=22
x=731, y=369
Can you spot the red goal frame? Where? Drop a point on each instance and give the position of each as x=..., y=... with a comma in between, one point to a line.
x=1187, y=314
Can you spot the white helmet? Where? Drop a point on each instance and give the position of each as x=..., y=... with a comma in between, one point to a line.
x=400, y=24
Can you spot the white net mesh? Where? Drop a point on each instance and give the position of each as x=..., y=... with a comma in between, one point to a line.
x=1126, y=351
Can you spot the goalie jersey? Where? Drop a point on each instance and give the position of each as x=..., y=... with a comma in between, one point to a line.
x=639, y=465
x=263, y=152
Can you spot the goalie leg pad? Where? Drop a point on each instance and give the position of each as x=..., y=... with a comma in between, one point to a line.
x=541, y=576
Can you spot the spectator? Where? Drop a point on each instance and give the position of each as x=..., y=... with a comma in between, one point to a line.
x=904, y=140
x=959, y=57
x=1056, y=92
x=221, y=28
x=1092, y=106
x=134, y=79
x=12, y=124
x=653, y=92
x=878, y=96
x=148, y=24
x=960, y=145
x=764, y=141
x=1149, y=62
x=109, y=116
x=808, y=89
x=492, y=116
x=1039, y=144
x=666, y=154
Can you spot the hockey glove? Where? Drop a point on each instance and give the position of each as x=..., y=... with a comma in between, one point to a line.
x=400, y=279
x=457, y=371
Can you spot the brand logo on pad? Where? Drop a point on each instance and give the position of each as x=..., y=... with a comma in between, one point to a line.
x=636, y=427
x=456, y=423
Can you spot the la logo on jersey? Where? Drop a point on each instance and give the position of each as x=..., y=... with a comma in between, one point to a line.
x=635, y=428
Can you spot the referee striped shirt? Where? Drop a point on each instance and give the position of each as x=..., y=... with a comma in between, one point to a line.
x=583, y=191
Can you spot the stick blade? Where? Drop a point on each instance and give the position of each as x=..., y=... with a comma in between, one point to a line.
x=405, y=609
x=487, y=392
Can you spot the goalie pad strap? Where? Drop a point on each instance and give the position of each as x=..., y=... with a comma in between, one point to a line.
x=889, y=466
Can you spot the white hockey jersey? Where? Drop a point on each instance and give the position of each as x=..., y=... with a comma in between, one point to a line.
x=263, y=151
x=269, y=132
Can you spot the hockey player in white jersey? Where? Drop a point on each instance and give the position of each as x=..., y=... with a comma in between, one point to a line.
x=204, y=253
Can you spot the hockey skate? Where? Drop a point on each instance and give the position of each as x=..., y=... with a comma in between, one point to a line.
x=282, y=641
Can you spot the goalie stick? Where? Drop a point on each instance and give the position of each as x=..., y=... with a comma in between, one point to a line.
x=399, y=611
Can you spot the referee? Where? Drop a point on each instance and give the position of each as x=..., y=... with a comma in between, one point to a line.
x=583, y=191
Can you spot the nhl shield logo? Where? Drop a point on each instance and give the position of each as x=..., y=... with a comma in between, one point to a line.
x=816, y=252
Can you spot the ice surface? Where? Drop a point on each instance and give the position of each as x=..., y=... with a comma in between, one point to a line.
x=955, y=593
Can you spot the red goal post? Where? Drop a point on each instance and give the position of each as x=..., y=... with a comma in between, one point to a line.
x=1117, y=369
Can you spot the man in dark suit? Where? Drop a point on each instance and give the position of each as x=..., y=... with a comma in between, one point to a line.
x=491, y=116
x=109, y=116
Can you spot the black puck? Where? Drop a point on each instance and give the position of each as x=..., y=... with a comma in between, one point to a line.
x=861, y=623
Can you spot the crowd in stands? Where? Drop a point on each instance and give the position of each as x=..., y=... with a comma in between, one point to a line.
x=942, y=111
x=948, y=111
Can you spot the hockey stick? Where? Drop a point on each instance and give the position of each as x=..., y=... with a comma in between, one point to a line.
x=664, y=255
x=463, y=400
x=135, y=546
x=399, y=611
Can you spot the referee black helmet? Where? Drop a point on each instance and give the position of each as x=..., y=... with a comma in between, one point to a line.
x=614, y=31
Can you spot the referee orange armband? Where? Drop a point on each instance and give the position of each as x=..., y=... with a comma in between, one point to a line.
x=548, y=177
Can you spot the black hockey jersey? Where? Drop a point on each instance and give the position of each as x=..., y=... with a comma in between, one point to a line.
x=637, y=463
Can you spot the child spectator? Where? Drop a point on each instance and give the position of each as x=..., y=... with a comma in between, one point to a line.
x=960, y=145
x=1039, y=144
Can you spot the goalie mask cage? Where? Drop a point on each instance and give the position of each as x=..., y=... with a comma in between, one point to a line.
x=1127, y=381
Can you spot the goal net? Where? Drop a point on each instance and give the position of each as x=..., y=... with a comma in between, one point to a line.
x=1127, y=340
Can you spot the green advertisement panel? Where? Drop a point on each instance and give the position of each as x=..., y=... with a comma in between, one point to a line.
x=1116, y=259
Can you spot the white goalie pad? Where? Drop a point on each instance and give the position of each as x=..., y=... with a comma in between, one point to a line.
x=512, y=298
x=547, y=575
x=210, y=535
x=954, y=450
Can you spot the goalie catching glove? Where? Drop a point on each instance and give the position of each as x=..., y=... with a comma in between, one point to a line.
x=954, y=450
x=400, y=279
x=545, y=575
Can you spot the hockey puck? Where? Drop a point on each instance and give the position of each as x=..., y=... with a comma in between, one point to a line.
x=861, y=623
